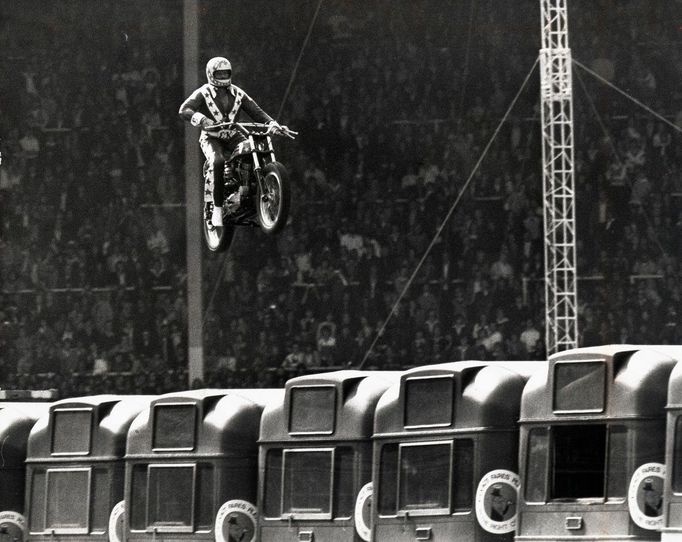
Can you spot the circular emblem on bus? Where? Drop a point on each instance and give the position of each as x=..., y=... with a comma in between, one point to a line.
x=13, y=525
x=496, y=498
x=645, y=496
x=363, y=512
x=236, y=522
x=116, y=525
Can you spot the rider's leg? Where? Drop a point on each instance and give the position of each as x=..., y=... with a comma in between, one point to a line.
x=213, y=150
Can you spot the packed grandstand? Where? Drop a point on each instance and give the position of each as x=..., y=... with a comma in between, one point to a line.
x=394, y=101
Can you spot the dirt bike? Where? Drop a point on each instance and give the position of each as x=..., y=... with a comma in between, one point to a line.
x=256, y=185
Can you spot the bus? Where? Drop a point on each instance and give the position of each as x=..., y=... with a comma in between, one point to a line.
x=75, y=468
x=672, y=489
x=592, y=445
x=316, y=457
x=192, y=467
x=16, y=422
x=446, y=452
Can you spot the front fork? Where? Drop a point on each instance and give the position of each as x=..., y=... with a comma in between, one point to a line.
x=256, y=162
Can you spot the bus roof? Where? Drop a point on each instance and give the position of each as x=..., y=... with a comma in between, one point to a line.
x=454, y=396
x=609, y=381
x=15, y=427
x=93, y=426
x=675, y=381
x=524, y=368
x=338, y=405
x=196, y=422
x=36, y=409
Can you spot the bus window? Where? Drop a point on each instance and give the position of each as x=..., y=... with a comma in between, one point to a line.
x=579, y=386
x=344, y=476
x=463, y=479
x=388, y=480
x=618, y=465
x=169, y=487
x=69, y=436
x=272, y=501
x=312, y=409
x=138, y=498
x=101, y=505
x=174, y=427
x=37, y=524
x=308, y=482
x=67, y=500
x=423, y=468
x=429, y=401
x=536, y=464
x=579, y=461
x=677, y=457
x=204, y=498
x=174, y=497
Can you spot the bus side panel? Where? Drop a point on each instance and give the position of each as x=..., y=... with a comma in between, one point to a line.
x=550, y=522
x=442, y=529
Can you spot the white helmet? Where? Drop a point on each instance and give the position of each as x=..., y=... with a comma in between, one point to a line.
x=219, y=72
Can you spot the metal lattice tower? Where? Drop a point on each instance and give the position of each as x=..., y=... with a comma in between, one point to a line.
x=556, y=91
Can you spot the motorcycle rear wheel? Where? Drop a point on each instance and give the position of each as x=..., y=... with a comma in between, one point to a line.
x=274, y=198
x=218, y=239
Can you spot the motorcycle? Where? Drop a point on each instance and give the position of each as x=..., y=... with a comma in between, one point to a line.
x=256, y=185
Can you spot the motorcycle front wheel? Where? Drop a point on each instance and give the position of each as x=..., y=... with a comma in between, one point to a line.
x=218, y=239
x=274, y=198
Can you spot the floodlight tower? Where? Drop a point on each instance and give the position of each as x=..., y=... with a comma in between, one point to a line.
x=556, y=91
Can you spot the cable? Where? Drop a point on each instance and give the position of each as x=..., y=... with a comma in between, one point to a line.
x=628, y=96
x=298, y=60
x=447, y=217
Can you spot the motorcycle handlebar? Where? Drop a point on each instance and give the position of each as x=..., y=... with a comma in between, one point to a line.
x=251, y=128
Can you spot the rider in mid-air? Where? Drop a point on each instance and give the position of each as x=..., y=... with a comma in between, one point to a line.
x=220, y=101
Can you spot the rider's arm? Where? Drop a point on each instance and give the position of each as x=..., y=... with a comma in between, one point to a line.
x=189, y=110
x=254, y=110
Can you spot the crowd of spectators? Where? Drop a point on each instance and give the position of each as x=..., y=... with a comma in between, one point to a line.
x=395, y=102
x=91, y=232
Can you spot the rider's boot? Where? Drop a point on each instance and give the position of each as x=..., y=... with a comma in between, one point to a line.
x=217, y=217
x=233, y=201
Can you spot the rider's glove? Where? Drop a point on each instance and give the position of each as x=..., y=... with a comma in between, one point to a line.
x=274, y=126
x=198, y=119
x=206, y=122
